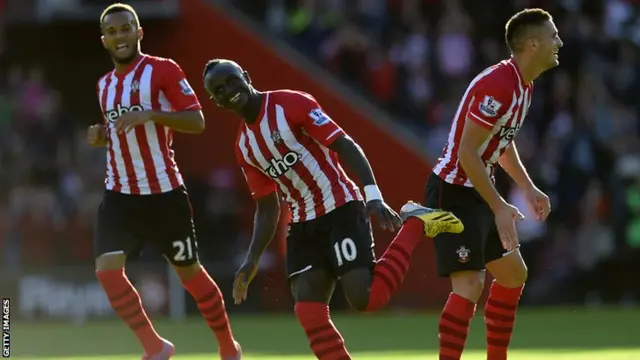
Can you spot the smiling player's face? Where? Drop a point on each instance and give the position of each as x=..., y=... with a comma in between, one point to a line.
x=121, y=36
x=548, y=45
x=227, y=85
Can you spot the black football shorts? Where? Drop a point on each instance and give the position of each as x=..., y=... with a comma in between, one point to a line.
x=479, y=243
x=126, y=223
x=336, y=242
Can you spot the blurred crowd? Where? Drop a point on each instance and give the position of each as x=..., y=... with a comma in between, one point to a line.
x=44, y=172
x=580, y=142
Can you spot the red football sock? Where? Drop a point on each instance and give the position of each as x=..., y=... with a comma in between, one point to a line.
x=126, y=302
x=324, y=339
x=390, y=270
x=454, y=326
x=499, y=317
x=211, y=304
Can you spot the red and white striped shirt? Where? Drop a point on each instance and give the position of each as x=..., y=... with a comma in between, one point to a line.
x=141, y=162
x=498, y=100
x=287, y=149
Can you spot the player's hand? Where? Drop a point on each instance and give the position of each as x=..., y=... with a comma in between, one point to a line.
x=539, y=203
x=244, y=276
x=127, y=121
x=389, y=219
x=96, y=136
x=505, y=218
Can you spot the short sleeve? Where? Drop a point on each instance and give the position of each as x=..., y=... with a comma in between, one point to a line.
x=489, y=102
x=259, y=184
x=177, y=89
x=104, y=118
x=309, y=115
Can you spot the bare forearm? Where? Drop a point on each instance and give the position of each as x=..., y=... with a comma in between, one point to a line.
x=511, y=163
x=475, y=170
x=191, y=121
x=265, y=223
x=354, y=158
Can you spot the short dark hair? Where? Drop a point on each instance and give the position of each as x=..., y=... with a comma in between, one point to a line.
x=519, y=24
x=118, y=8
x=214, y=62
x=210, y=65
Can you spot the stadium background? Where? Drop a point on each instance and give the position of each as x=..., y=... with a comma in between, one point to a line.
x=391, y=72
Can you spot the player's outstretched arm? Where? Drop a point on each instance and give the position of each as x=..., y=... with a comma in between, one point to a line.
x=353, y=157
x=308, y=114
x=265, y=222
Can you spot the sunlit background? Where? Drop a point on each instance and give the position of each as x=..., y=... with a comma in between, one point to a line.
x=391, y=72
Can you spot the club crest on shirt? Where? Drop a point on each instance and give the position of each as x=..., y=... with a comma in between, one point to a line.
x=489, y=106
x=319, y=117
x=276, y=137
x=135, y=87
x=463, y=254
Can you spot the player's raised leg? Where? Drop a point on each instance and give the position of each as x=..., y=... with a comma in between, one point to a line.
x=177, y=241
x=369, y=290
x=312, y=290
x=112, y=242
x=509, y=273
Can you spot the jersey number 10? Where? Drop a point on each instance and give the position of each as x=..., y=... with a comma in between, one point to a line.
x=345, y=251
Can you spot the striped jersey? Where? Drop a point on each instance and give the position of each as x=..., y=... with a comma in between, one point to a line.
x=498, y=100
x=142, y=162
x=287, y=150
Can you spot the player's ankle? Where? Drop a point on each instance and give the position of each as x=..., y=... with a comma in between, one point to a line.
x=228, y=350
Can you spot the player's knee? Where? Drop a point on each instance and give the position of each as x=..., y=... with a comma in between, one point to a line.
x=468, y=284
x=111, y=261
x=356, y=286
x=509, y=271
x=187, y=272
x=515, y=279
x=521, y=275
x=312, y=286
x=358, y=299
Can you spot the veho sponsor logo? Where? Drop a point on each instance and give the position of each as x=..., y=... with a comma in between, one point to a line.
x=113, y=115
x=279, y=167
x=509, y=133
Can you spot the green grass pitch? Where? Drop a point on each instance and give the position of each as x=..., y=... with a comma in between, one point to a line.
x=558, y=334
